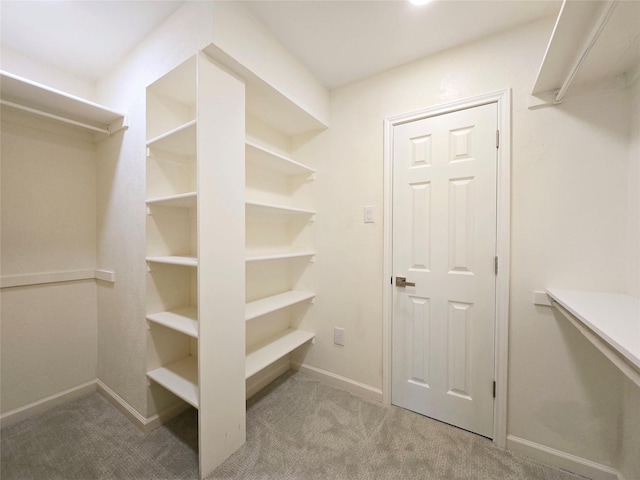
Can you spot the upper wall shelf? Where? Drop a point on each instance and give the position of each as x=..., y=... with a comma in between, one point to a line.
x=608, y=320
x=592, y=43
x=23, y=94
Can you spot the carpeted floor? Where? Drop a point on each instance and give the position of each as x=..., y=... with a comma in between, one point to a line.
x=297, y=428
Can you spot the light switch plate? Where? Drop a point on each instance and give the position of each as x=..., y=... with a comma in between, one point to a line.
x=369, y=214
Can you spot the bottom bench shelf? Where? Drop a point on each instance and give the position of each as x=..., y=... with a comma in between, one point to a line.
x=274, y=349
x=180, y=378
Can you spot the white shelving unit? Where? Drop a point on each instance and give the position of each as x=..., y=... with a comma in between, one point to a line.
x=23, y=94
x=261, y=208
x=274, y=183
x=261, y=307
x=274, y=348
x=195, y=302
x=183, y=320
x=262, y=257
x=174, y=260
x=179, y=377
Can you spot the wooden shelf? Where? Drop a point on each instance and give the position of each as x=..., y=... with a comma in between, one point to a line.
x=260, y=257
x=49, y=102
x=182, y=200
x=610, y=321
x=274, y=349
x=266, y=305
x=184, y=320
x=180, y=378
x=175, y=260
x=180, y=140
x=268, y=208
x=273, y=160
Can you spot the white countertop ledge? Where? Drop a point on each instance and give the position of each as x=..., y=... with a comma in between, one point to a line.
x=614, y=317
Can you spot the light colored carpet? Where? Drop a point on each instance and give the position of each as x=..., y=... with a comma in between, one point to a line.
x=297, y=428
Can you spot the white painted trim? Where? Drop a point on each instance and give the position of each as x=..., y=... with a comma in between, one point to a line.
x=503, y=100
x=47, y=403
x=565, y=461
x=145, y=425
x=9, y=281
x=362, y=390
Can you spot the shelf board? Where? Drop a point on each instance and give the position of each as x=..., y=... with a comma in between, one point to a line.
x=615, y=318
x=181, y=140
x=184, y=320
x=268, y=208
x=180, y=378
x=275, y=161
x=279, y=256
x=49, y=101
x=175, y=260
x=182, y=200
x=274, y=349
x=273, y=303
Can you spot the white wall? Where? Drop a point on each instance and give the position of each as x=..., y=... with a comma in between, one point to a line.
x=49, y=75
x=48, y=200
x=121, y=205
x=569, y=224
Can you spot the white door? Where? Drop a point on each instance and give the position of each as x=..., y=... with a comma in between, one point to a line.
x=444, y=241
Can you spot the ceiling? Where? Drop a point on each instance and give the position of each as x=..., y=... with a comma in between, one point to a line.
x=338, y=41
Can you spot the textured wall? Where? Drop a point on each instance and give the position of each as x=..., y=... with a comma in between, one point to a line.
x=569, y=199
x=48, y=225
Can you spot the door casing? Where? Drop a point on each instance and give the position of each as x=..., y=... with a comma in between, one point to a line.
x=503, y=100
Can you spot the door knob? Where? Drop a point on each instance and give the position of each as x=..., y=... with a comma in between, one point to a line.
x=402, y=282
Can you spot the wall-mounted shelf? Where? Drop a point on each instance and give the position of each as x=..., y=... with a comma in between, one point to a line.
x=274, y=349
x=259, y=155
x=261, y=257
x=591, y=43
x=271, y=304
x=183, y=320
x=180, y=378
x=182, y=200
x=33, y=97
x=175, y=260
x=608, y=320
x=181, y=140
x=262, y=208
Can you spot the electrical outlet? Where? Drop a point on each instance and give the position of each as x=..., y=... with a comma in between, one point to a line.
x=338, y=336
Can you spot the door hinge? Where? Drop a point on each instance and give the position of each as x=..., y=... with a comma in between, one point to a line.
x=494, y=389
x=495, y=265
x=497, y=138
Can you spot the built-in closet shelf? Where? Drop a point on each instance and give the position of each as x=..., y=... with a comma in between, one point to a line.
x=18, y=92
x=180, y=140
x=180, y=378
x=260, y=257
x=610, y=321
x=271, y=209
x=183, y=320
x=265, y=157
x=175, y=260
x=591, y=43
x=274, y=349
x=182, y=200
x=257, y=308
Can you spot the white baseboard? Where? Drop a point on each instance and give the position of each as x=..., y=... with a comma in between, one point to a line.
x=365, y=391
x=146, y=425
x=562, y=460
x=46, y=403
x=266, y=376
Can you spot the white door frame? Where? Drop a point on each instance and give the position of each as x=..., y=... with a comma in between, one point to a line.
x=503, y=100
